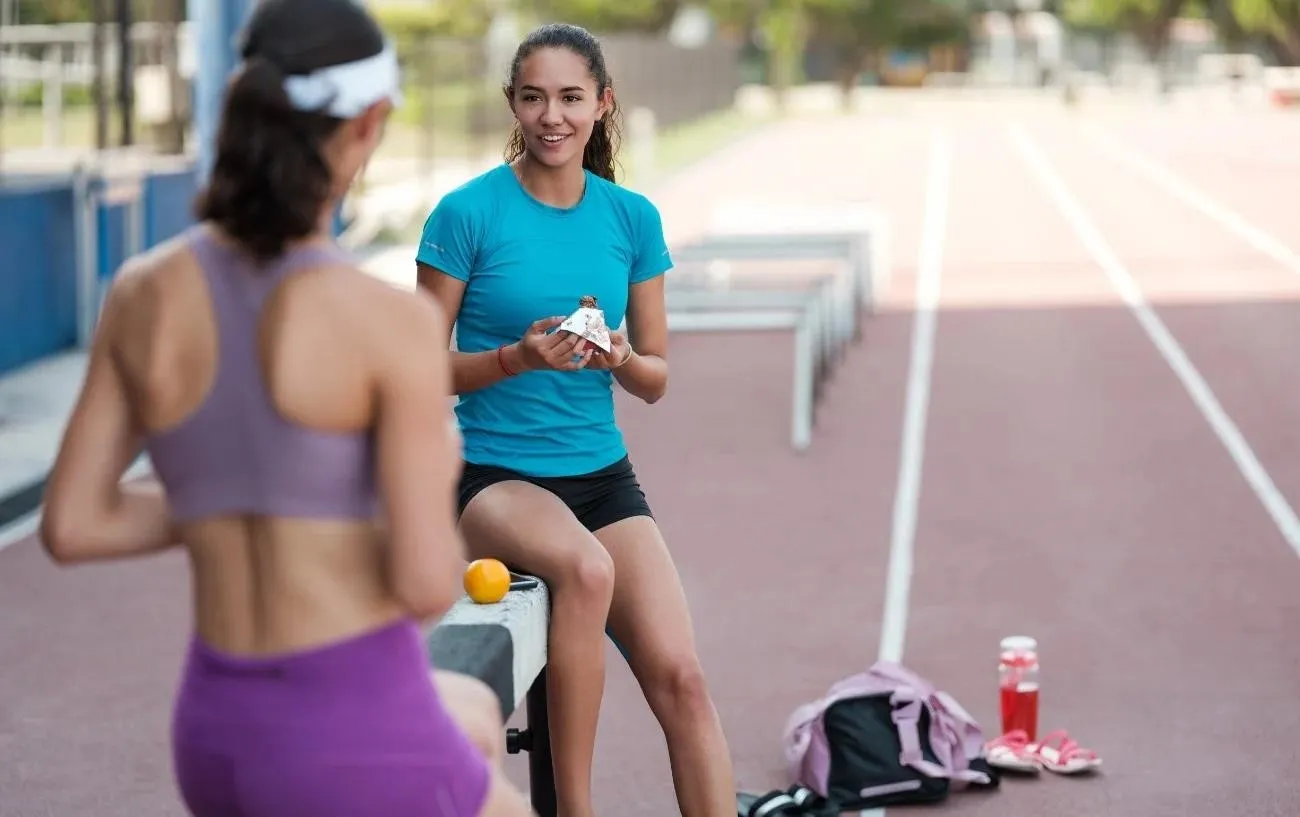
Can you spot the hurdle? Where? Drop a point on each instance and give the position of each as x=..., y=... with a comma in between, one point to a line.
x=823, y=310
x=834, y=321
x=851, y=233
x=738, y=311
x=504, y=646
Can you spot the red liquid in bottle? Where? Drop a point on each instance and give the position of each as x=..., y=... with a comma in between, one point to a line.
x=1018, y=685
x=1020, y=710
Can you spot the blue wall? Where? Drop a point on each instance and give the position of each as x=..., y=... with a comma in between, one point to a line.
x=38, y=268
x=38, y=311
x=38, y=285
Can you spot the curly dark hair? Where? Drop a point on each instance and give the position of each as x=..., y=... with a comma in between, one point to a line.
x=269, y=179
x=601, y=152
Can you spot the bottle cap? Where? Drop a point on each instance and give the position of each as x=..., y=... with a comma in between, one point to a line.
x=1019, y=643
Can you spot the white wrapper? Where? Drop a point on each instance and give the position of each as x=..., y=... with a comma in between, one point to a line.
x=590, y=324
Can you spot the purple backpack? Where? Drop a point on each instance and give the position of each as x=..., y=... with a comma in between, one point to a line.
x=879, y=738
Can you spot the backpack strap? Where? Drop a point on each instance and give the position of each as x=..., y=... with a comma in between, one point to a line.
x=955, y=760
x=907, y=716
x=967, y=740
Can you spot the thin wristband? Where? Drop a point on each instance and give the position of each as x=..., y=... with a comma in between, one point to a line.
x=501, y=361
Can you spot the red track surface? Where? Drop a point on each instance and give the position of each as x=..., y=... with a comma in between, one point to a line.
x=1071, y=489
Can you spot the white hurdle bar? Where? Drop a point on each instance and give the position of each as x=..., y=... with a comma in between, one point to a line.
x=846, y=248
x=806, y=321
x=830, y=300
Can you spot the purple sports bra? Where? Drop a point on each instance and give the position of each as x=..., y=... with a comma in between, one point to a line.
x=236, y=454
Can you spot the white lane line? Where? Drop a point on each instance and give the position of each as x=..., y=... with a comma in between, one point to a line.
x=1123, y=282
x=1183, y=190
x=907, y=493
x=893, y=626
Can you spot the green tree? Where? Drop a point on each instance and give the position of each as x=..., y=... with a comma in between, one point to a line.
x=53, y=12
x=413, y=25
x=862, y=32
x=858, y=31
x=45, y=12
x=1278, y=21
x=784, y=25
x=605, y=16
x=1148, y=20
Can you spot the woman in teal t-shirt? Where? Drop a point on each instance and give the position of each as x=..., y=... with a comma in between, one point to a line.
x=547, y=484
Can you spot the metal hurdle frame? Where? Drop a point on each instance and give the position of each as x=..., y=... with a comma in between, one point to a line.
x=93, y=188
x=861, y=241
x=809, y=312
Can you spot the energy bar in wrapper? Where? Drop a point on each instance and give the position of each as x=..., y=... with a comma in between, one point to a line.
x=589, y=322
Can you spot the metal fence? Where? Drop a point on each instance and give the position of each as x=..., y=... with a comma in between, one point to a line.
x=51, y=76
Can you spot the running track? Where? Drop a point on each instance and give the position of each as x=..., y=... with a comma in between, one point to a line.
x=1094, y=363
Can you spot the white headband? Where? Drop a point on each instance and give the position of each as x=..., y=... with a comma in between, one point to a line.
x=346, y=90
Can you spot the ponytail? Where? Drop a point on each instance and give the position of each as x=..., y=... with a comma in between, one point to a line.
x=269, y=179
x=600, y=154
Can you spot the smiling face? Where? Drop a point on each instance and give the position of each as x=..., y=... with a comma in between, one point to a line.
x=557, y=102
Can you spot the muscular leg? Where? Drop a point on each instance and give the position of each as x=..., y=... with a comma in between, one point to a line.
x=531, y=529
x=650, y=619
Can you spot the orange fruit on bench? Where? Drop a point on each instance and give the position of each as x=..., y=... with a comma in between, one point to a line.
x=486, y=581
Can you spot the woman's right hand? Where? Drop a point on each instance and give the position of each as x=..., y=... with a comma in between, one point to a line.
x=540, y=348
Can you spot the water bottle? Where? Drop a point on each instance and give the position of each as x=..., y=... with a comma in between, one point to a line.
x=1018, y=684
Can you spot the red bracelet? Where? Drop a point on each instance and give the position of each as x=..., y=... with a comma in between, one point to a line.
x=501, y=360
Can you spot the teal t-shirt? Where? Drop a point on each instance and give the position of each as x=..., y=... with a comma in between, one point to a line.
x=523, y=260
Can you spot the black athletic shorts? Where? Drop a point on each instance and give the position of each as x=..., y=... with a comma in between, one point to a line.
x=598, y=499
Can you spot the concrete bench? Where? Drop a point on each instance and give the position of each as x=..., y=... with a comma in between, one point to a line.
x=504, y=645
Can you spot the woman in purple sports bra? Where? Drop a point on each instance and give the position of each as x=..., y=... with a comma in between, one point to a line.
x=295, y=412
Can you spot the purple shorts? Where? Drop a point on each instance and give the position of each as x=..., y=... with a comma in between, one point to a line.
x=346, y=730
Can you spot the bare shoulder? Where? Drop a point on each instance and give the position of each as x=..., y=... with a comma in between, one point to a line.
x=390, y=316
x=407, y=309
x=142, y=280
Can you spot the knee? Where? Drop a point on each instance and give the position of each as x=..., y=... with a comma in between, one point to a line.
x=676, y=689
x=588, y=576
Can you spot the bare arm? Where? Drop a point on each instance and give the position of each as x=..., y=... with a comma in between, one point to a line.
x=419, y=459
x=89, y=513
x=471, y=371
x=645, y=372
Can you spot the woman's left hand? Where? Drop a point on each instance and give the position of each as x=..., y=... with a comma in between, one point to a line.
x=619, y=353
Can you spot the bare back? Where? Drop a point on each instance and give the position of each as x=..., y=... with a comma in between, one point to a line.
x=327, y=337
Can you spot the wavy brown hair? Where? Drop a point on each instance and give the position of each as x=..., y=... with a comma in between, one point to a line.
x=600, y=155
